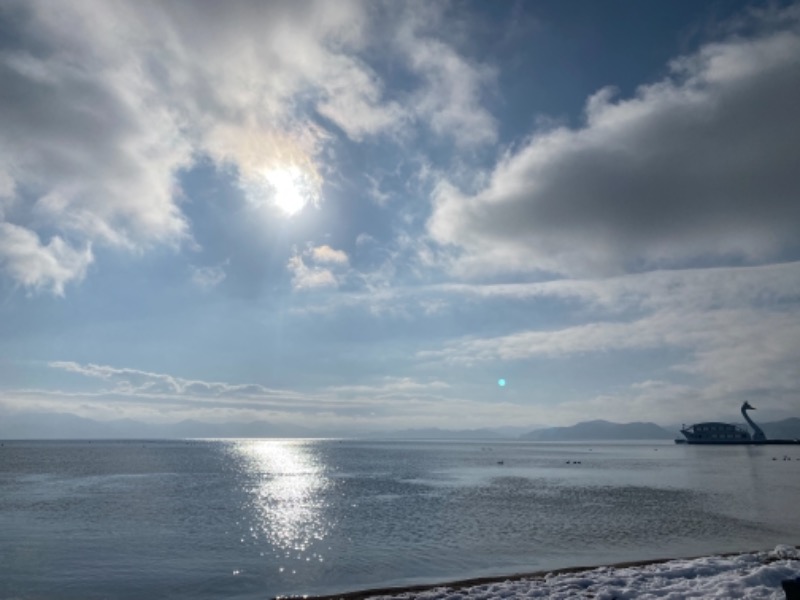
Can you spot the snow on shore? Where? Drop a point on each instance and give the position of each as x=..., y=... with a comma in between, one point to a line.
x=754, y=575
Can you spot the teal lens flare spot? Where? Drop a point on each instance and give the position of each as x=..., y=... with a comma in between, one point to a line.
x=501, y=382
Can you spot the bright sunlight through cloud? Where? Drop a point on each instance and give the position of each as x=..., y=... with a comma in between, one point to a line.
x=291, y=188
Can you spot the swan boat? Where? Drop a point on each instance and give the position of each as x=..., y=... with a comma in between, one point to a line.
x=713, y=432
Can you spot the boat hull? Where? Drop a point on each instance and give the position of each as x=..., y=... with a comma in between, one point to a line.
x=739, y=442
x=716, y=433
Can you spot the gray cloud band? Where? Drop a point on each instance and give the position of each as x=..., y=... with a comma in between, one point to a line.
x=702, y=165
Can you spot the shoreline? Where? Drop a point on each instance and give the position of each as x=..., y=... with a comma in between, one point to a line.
x=790, y=553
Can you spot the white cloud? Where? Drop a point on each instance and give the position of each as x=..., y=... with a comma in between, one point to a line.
x=580, y=339
x=135, y=381
x=90, y=147
x=731, y=353
x=690, y=290
x=390, y=402
x=390, y=385
x=307, y=272
x=700, y=164
x=208, y=277
x=352, y=100
x=687, y=289
x=106, y=104
x=449, y=100
x=39, y=266
x=326, y=254
x=365, y=239
x=86, y=136
x=380, y=197
x=306, y=276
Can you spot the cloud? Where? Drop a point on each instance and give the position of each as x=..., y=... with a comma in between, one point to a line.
x=39, y=266
x=208, y=277
x=685, y=289
x=390, y=386
x=651, y=401
x=307, y=272
x=6, y=189
x=326, y=254
x=450, y=97
x=719, y=335
x=364, y=239
x=105, y=106
x=90, y=146
x=702, y=164
x=690, y=290
x=389, y=402
x=697, y=293
x=352, y=99
x=269, y=162
x=730, y=353
x=309, y=277
x=135, y=381
x=570, y=341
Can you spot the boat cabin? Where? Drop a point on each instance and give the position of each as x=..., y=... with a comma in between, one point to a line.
x=717, y=432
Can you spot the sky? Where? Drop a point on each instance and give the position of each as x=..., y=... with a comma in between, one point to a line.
x=371, y=216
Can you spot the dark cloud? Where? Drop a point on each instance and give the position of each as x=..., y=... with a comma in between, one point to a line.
x=87, y=151
x=702, y=164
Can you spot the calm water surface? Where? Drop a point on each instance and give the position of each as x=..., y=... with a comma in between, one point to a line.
x=254, y=519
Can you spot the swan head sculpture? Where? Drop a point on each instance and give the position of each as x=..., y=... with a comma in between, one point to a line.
x=758, y=433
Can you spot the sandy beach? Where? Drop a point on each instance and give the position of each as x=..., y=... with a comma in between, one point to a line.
x=752, y=575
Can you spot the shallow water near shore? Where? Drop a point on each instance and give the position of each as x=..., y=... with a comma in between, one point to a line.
x=259, y=518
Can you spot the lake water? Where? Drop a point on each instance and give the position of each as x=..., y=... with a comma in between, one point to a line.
x=259, y=518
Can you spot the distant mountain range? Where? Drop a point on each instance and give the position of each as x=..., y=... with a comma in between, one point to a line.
x=606, y=430
x=68, y=426
x=600, y=430
x=435, y=433
x=786, y=429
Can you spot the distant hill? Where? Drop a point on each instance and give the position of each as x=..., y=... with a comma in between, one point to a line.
x=67, y=426
x=786, y=429
x=434, y=433
x=600, y=430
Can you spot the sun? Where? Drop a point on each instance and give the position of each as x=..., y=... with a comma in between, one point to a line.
x=291, y=188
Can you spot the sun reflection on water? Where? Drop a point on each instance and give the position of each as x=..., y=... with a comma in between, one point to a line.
x=286, y=482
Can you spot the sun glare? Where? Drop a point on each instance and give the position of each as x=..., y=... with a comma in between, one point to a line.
x=291, y=189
